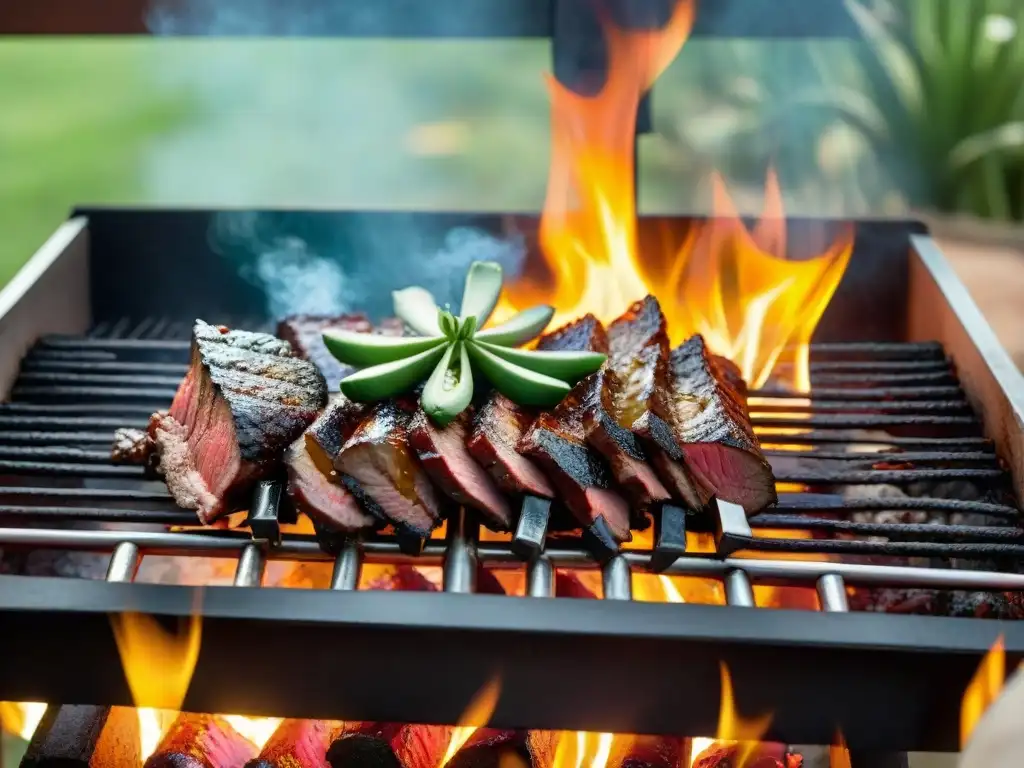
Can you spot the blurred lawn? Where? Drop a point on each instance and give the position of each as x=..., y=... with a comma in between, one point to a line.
x=75, y=116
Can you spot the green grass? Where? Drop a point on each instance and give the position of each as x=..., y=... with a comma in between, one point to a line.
x=75, y=116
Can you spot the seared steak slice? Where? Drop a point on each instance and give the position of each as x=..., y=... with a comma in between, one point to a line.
x=500, y=424
x=243, y=400
x=496, y=431
x=313, y=483
x=378, y=467
x=620, y=393
x=305, y=334
x=442, y=452
x=696, y=418
x=132, y=446
x=557, y=442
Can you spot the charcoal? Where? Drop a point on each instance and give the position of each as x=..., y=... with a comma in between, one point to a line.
x=84, y=737
x=443, y=453
x=649, y=752
x=201, y=741
x=243, y=401
x=297, y=744
x=358, y=750
x=493, y=748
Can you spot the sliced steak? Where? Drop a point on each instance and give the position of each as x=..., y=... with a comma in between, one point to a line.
x=707, y=445
x=244, y=399
x=443, y=454
x=556, y=441
x=379, y=468
x=620, y=393
x=495, y=434
x=132, y=446
x=500, y=424
x=313, y=484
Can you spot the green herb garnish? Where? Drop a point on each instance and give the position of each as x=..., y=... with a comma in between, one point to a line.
x=449, y=350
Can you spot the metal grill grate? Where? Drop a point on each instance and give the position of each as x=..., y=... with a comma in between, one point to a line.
x=902, y=398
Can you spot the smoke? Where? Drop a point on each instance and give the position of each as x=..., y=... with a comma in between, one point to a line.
x=322, y=264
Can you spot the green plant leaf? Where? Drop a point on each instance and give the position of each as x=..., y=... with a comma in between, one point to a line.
x=468, y=328
x=569, y=366
x=449, y=389
x=519, y=329
x=390, y=379
x=363, y=349
x=1008, y=137
x=480, y=296
x=416, y=307
x=449, y=325
x=519, y=384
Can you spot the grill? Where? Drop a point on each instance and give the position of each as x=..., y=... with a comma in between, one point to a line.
x=923, y=383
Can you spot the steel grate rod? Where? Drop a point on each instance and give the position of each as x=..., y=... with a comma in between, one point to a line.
x=230, y=544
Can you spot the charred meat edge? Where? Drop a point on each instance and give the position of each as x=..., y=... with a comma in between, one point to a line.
x=243, y=400
x=557, y=442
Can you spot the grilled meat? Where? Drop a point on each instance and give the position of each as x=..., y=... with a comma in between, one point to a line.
x=500, y=424
x=705, y=445
x=313, y=483
x=620, y=393
x=243, y=400
x=132, y=446
x=557, y=442
x=496, y=431
x=443, y=453
x=305, y=334
x=378, y=467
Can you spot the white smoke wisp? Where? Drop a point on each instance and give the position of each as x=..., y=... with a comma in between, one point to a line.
x=299, y=282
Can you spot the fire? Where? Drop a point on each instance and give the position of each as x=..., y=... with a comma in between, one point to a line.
x=258, y=730
x=733, y=727
x=476, y=716
x=21, y=718
x=838, y=754
x=581, y=749
x=983, y=689
x=732, y=284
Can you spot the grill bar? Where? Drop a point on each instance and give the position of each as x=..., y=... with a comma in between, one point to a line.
x=861, y=393
x=922, y=531
x=832, y=593
x=874, y=458
x=499, y=555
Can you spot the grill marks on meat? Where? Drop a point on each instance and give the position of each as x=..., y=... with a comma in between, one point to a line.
x=313, y=483
x=305, y=334
x=497, y=428
x=243, y=400
x=700, y=425
x=378, y=467
x=443, y=453
x=617, y=396
x=500, y=424
x=557, y=442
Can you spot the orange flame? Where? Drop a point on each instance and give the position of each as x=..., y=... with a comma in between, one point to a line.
x=581, y=749
x=21, y=718
x=838, y=754
x=258, y=730
x=735, y=286
x=751, y=303
x=476, y=716
x=158, y=666
x=983, y=689
x=733, y=727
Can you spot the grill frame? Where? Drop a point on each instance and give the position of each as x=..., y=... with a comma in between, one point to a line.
x=780, y=659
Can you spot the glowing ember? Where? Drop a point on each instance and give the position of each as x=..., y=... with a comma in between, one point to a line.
x=258, y=730
x=983, y=689
x=21, y=718
x=734, y=285
x=476, y=716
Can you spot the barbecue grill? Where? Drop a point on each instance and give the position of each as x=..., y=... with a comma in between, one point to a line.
x=95, y=331
x=928, y=378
